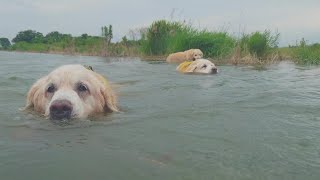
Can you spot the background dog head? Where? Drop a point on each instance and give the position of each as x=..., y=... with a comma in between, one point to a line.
x=71, y=91
x=202, y=66
x=193, y=54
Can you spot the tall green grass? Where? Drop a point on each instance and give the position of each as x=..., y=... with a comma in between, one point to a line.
x=213, y=44
x=259, y=44
x=307, y=54
x=159, y=34
x=30, y=47
x=165, y=37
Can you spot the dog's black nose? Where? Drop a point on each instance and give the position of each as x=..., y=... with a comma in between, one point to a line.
x=214, y=70
x=60, y=109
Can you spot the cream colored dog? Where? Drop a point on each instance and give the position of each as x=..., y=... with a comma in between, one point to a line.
x=203, y=66
x=71, y=91
x=189, y=55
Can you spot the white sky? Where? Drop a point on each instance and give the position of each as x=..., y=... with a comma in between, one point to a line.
x=294, y=19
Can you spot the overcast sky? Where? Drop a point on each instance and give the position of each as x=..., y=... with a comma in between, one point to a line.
x=293, y=19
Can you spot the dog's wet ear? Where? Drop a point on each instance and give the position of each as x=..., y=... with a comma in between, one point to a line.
x=36, y=94
x=88, y=67
x=192, y=67
x=109, y=97
x=110, y=100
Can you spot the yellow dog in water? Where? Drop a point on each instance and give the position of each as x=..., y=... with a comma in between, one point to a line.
x=71, y=91
x=203, y=66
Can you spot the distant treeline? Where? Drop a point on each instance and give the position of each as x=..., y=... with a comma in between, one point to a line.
x=56, y=42
x=164, y=37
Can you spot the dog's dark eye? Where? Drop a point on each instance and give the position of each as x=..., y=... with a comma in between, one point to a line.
x=204, y=66
x=51, y=88
x=82, y=87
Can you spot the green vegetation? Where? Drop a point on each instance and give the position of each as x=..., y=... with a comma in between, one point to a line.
x=307, y=54
x=302, y=53
x=259, y=44
x=30, y=47
x=164, y=37
x=55, y=42
x=4, y=43
x=107, y=33
x=28, y=36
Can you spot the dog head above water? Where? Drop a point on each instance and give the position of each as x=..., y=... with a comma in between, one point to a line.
x=193, y=54
x=201, y=66
x=71, y=91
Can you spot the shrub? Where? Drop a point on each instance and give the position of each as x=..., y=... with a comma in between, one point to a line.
x=4, y=43
x=158, y=34
x=29, y=36
x=259, y=43
x=213, y=44
x=165, y=37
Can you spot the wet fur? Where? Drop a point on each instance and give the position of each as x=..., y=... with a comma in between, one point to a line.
x=196, y=67
x=100, y=98
x=188, y=55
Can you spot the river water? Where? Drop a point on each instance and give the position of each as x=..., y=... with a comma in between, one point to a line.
x=242, y=123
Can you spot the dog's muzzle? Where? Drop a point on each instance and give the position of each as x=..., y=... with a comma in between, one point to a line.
x=214, y=70
x=60, y=109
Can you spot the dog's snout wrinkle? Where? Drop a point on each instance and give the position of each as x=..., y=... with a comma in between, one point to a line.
x=61, y=109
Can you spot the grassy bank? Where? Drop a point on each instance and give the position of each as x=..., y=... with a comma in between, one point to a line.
x=164, y=37
x=309, y=54
x=302, y=54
